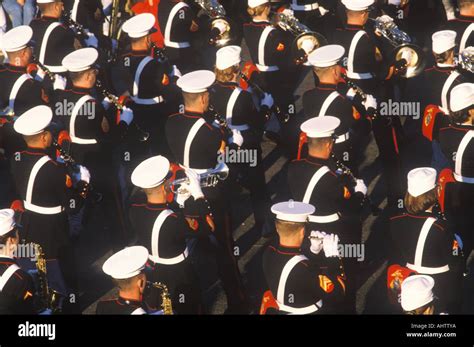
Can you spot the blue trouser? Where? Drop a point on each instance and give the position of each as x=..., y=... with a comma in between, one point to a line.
x=438, y=159
x=20, y=15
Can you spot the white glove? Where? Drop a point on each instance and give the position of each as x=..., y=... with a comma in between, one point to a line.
x=307, y=46
x=84, y=174
x=221, y=26
x=288, y=12
x=236, y=138
x=316, y=239
x=106, y=103
x=92, y=41
x=360, y=187
x=370, y=102
x=322, y=11
x=330, y=245
x=183, y=194
x=194, y=184
x=175, y=71
x=40, y=74
x=267, y=100
x=126, y=115
x=46, y=312
x=59, y=82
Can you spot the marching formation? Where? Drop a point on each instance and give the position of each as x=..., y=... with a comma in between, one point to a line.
x=155, y=114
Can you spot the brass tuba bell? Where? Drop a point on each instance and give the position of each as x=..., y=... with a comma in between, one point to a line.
x=305, y=40
x=403, y=47
x=221, y=29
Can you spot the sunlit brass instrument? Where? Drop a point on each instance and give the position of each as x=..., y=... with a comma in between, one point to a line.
x=142, y=135
x=403, y=47
x=220, y=26
x=305, y=41
x=166, y=304
x=114, y=20
x=466, y=59
x=208, y=179
x=49, y=298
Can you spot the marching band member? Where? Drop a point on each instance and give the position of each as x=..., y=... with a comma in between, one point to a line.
x=296, y=284
x=195, y=144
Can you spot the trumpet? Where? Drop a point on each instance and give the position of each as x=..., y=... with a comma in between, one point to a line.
x=403, y=46
x=143, y=135
x=208, y=179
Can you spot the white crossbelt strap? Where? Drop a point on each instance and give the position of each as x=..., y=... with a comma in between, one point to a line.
x=446, y=87
x=72, y=122
x=189, y=139
x=74, y=10
x=327, y=103
x=44, y=43
x=7, y=274
x=138, y=311
x=169, y=23
x=29, y=190
x=312, y=183
x=459, y=154
x=155, y=239
x=282, y=285
x=230, y=105
x=465, y=36
x=309, y=7
x=16, y=87
x=420, y=246
x=261, y=50
x=351, y=55
x=138, y=73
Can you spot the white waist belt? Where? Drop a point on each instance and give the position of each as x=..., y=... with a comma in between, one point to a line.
x=428, y=270
x=265, y=68
x=43, y=210
x=308, y=7
x=80, y=141
x=151, y=101
x=171, y=261
x=463, y=179
x=303, y=310
x=177, y=44
x=359, y=76
x=342, y=138
x=239, y=127
x=55, y=69
x=324, y=219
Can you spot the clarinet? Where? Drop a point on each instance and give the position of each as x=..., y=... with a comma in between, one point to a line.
x=348, y=172
x=48, y=73
x=162, y=57
x=222, y=122
x=143, y=135
x=86, y=188
x=358, y=90
x=78, y=28
x=284, y=118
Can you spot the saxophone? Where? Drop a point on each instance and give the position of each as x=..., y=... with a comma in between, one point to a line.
x=166, y=305
x=49, y=298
